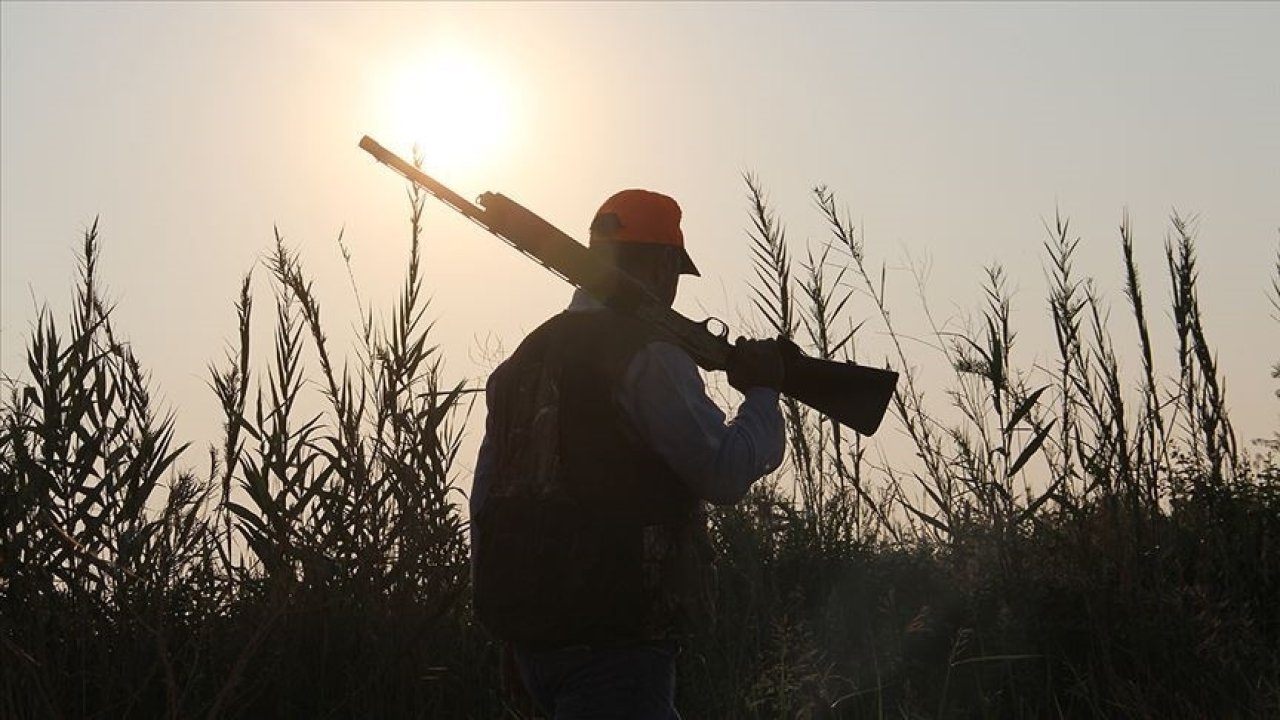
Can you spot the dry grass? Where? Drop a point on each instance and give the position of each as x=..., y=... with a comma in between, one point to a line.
x=1068, y=542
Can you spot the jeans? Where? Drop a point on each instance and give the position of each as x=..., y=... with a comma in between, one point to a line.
x=621, y=682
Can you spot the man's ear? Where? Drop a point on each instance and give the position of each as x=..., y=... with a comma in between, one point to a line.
x=605, y=226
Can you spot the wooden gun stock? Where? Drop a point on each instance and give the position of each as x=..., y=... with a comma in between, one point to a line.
x=855, y=396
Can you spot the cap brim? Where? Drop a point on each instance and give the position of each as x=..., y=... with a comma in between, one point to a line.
x=687, y=267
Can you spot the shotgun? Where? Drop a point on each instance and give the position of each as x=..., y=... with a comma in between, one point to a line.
x=853, y=395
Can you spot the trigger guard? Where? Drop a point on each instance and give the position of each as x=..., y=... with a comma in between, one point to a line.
x=716, y=327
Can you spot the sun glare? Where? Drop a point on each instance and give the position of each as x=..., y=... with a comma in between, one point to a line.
x=453, y=107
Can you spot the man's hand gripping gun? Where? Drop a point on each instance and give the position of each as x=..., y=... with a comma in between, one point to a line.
x=854, y=395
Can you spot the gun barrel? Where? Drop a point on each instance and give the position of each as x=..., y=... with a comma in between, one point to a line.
x=423, y=180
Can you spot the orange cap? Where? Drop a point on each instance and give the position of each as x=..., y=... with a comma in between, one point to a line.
x=642, y=217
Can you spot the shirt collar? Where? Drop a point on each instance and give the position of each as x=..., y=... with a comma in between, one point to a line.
x=582, y=301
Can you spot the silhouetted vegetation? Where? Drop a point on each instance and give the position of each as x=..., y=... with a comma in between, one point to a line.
x=1068, y=542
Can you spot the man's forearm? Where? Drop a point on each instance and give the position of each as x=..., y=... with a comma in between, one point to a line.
x=665, y=399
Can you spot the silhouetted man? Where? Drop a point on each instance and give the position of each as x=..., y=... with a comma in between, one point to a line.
x=601, y=448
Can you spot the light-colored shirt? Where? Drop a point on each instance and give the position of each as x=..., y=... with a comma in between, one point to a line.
x=664, y=400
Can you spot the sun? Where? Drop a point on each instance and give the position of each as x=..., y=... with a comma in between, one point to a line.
x=453, y=106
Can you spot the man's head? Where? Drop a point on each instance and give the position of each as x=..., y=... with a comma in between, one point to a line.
x=639, y=231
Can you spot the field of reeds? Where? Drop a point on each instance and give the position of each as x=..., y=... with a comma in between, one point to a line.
x=1066, y=542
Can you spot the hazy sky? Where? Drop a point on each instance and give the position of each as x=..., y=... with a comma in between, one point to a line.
x=952, y=132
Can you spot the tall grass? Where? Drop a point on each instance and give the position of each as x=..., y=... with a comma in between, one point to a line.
x=1067, y=541
x=318, y=568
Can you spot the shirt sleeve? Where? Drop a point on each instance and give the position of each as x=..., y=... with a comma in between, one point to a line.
x=663, y=396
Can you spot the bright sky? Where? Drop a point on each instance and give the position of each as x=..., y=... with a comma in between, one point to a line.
x=952, y=132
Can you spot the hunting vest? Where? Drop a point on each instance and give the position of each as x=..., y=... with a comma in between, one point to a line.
x=585, y=536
